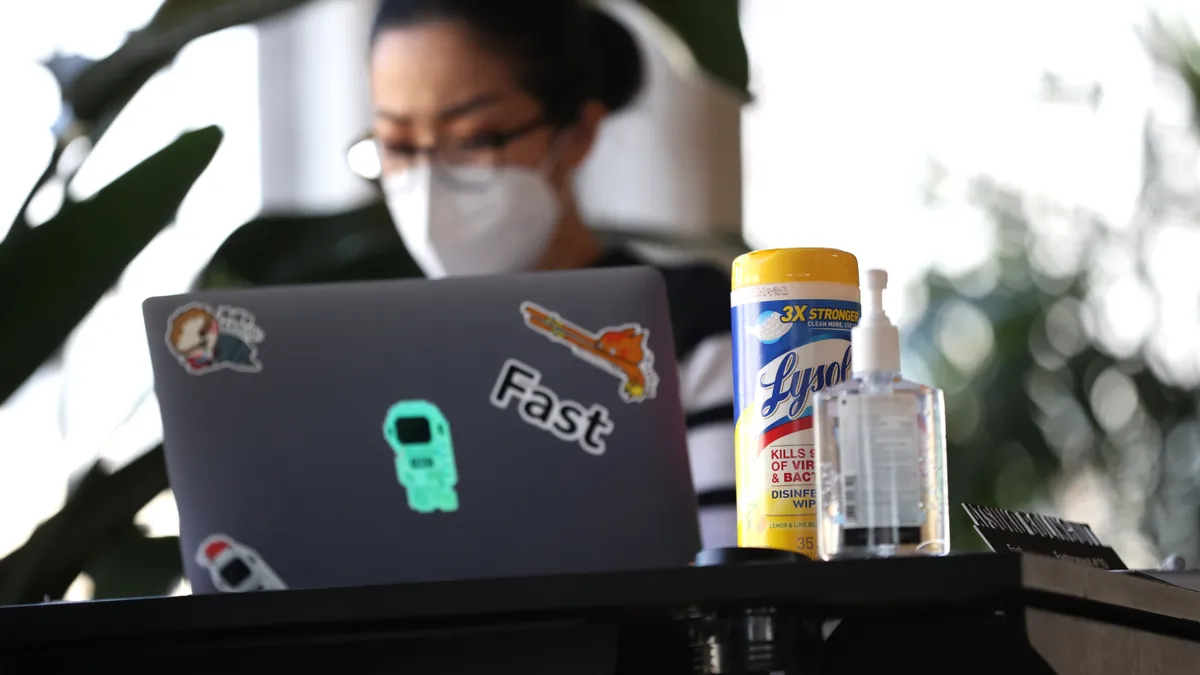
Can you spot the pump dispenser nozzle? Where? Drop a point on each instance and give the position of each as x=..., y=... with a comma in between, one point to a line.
x=874, y=342
x=881, y=440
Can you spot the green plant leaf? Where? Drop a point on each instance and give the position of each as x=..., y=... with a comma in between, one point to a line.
x=712, y=30
x=356, y=245
x=135, y=566
x=98, y=93
x=95, y=92
x=52, y=276
x=94, y=517
x=1190, y=72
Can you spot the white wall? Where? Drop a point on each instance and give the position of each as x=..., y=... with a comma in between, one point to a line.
x=672, y=161
x=314, y=102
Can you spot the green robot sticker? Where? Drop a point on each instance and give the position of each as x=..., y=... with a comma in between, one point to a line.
x=420, y=436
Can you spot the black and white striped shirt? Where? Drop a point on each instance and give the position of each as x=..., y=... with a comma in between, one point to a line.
x=699, y=303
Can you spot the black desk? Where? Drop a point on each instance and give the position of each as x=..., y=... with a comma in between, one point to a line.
x=960, y=614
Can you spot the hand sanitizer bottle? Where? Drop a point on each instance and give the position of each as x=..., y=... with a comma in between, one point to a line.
x=881, y=450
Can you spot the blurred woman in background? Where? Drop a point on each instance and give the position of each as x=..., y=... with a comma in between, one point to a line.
x=483, y=112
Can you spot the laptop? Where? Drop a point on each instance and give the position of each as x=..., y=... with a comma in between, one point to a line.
x=416, y=431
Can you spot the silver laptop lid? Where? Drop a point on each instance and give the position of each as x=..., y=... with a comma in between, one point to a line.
x=424, y=430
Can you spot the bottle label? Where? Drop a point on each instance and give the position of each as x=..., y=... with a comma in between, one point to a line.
x=879, y=452
x=785, y=351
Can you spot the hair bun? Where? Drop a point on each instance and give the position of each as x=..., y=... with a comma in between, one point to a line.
x=616, y=60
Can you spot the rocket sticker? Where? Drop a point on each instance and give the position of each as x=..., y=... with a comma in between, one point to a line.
x=235, y=567
x=621, y=351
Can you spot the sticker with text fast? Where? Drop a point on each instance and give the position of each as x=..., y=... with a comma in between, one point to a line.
x=206, y=339
x=539, y=406
x=621, y=351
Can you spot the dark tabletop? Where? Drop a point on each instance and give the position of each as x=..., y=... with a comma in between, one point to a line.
x=834, y=589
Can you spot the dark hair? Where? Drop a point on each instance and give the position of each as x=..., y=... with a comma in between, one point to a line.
x=565, y=51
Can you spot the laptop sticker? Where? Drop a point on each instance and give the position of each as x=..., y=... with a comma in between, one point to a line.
x=235, y=567
x=621, y=351
x=541, y=407
x=425, y=465
x=205, y=339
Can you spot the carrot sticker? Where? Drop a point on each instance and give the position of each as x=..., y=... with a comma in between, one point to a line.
x=621, y=351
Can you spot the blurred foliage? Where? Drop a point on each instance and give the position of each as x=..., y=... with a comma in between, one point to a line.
x=60, y=270
x=134, y=565
x=1176, y=47
x=97, y=515
x=356, y=245
x=52, y=276
x=95, y=92
x=1040, y=387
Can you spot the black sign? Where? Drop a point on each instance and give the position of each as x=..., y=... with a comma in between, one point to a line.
x=1019, y=532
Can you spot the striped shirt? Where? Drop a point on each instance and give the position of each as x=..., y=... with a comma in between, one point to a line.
x=698, y=295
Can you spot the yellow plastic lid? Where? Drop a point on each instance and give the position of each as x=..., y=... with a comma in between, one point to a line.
x=782, y=265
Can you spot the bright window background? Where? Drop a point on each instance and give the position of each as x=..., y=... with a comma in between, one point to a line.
x=58, y=424
x=854, y=99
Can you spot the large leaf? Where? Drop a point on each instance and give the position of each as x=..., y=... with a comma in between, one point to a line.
x=95, y=92
x=94, y=519
x=129, y=564
x=356, y=245
x=1189, y=70
x=1176, y=46
x=133, y=565
x=102, y=89
x=712, y=30
x=52, y=276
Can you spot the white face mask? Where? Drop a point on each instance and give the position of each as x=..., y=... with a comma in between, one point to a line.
x=498, y=225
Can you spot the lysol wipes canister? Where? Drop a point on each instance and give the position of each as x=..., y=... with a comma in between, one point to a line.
x=793, y=309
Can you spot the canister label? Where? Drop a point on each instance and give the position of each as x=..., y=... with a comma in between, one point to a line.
x=785, y=351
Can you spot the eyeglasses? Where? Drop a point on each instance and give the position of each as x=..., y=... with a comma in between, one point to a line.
x=467, y=163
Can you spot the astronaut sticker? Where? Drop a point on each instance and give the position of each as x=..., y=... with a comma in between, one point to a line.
x=205, y=339
x=420, y=438
x=235, y=567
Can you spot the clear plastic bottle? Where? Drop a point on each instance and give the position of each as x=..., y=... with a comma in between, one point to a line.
x=881, y=450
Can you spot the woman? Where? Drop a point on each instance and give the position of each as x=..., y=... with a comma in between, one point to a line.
x=505, y=99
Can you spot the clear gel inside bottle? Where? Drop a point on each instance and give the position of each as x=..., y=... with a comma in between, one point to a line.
x=881, y=451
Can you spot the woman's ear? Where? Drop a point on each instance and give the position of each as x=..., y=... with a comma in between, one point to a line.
x=583, y=134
